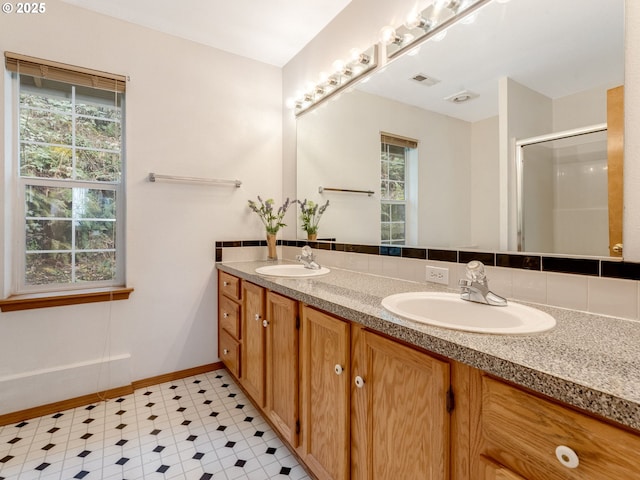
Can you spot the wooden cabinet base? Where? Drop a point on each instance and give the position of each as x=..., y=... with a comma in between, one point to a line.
x=541, y=440
x=356, y=405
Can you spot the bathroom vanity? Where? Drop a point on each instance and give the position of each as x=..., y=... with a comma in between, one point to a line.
x=358, y=392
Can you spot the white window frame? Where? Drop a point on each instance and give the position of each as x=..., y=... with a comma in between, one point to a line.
x=15, y=254
x=410, y=191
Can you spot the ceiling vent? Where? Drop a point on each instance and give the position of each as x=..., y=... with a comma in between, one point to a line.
x=461, y=97
x=425, y=80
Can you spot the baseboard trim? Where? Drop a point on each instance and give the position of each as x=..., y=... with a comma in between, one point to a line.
x=168, y=377
x=51, y=408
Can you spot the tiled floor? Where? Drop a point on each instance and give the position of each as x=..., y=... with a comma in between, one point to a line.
x=200, y=427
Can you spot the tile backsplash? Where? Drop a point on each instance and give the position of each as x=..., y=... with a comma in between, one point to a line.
x=601, y=286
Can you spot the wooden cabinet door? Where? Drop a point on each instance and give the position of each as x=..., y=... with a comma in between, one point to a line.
x=229, y=316
x=252, y=353
x=229, y=352
x=325, y=395
x=228, y=285
x=492, y=471
x=282, y=384
x=522, y=431
x=400, y=423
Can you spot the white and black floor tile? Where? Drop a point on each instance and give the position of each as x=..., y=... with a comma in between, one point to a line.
x=197, y=428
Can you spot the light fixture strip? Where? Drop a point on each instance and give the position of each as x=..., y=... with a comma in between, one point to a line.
x=352, y=71
x=426, y=34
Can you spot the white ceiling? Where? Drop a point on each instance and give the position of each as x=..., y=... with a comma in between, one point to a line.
x=270, y=31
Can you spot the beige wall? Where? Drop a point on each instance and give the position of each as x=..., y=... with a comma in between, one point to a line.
x=357, y=26
x=192, y=111
x=333, y=156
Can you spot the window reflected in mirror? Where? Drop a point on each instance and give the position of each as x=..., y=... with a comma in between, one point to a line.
x=396, y=155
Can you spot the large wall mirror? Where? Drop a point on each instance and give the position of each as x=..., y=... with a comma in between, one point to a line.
x=451, y=113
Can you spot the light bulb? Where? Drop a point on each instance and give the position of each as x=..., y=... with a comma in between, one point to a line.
x=355, y=55
x=450, y=4
x=388, y=34
x=338, y=66
x=415, y=20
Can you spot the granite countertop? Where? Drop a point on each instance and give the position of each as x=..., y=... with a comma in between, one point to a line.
x=589, y=361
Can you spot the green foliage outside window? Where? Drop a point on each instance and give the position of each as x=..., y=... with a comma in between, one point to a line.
x=393, y=165
x=71, y=137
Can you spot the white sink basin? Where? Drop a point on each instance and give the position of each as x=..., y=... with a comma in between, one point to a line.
x=292, y=271
x=448, y=310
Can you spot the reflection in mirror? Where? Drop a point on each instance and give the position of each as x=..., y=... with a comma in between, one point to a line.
x=528, y=67
x=562, y=199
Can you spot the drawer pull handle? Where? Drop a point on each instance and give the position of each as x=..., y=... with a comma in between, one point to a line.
x=225, y=284
x=257, y=317
x=338, y=369
x=265, y=323
x=225, y=351
x=359, y=381
x=567, y=456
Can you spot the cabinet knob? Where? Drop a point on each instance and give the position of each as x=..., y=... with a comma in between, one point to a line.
x=225, y=351
x=265, y=323
x=257, y=317
x=359, y=381
x=225, y=284
x=225, y=315
x=567, y=456
x=338, y=369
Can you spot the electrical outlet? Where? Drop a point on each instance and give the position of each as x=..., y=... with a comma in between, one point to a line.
x=438, y=275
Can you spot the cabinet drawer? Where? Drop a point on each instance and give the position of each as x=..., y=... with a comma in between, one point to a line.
x=492, y=471
x=522, y=431
x=229, y=352
x=229, y=285
x=229, y=316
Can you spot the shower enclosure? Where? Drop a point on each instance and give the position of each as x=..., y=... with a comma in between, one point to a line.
x=562, y=189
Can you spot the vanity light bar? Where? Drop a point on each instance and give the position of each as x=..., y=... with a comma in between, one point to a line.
x=420, y=26
x=345, y=74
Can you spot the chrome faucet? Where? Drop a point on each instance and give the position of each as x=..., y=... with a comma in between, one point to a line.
x=475, y=287
x=308, y=258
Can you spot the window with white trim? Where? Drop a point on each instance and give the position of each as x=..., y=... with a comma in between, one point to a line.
x=67, y=159
x=395, y=152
